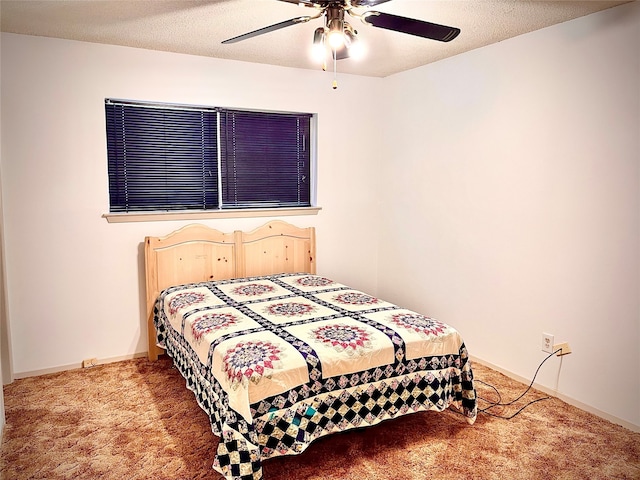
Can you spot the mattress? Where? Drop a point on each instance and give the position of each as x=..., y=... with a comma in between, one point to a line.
x=281, y=360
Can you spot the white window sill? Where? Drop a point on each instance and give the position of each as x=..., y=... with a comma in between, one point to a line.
x=202, y=215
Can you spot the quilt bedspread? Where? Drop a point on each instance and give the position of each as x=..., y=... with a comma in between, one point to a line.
x=281, y=360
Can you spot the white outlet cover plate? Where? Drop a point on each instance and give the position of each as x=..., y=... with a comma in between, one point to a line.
x=547, y=342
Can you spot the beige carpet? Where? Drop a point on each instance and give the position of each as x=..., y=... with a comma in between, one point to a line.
x=136, y=420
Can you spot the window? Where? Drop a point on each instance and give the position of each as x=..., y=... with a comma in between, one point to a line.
x=171, y=157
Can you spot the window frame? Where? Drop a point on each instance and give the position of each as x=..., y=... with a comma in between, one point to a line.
x=221, y=211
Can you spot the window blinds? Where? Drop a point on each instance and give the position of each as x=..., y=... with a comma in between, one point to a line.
x=163, y=157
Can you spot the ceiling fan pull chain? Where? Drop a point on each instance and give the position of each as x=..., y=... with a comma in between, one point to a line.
x=335, y=62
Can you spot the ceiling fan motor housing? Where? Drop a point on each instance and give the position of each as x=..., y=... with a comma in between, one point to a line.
x=335, y=18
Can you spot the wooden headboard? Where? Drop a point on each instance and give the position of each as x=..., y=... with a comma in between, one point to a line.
x=197, y=253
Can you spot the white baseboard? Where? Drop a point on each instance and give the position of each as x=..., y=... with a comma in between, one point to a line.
x=556, y=394
x=74, y=366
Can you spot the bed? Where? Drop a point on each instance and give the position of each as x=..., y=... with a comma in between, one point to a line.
x=278, y=356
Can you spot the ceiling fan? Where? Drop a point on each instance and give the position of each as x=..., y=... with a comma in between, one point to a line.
x=341, y=36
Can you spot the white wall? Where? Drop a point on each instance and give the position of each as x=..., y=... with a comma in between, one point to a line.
x=513, y=203
x=75, y=282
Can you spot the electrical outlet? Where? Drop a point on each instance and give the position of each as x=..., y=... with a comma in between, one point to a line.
x=547, y=343
x=564, y=348
x=89, y=362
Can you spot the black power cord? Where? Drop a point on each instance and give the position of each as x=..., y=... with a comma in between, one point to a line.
x=499, y=402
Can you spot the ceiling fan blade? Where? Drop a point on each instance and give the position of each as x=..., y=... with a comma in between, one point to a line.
x=367, y=3
x=270, y=28
x=411, y=26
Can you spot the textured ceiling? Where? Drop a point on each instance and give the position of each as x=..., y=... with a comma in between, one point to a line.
x=199, y=27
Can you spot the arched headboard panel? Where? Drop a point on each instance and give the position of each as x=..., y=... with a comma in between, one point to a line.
x=276, y=247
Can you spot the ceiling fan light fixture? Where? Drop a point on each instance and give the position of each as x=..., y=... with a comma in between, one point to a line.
x=349, y=34
x=336, y=40
x=318, y=48
x=355, y=46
